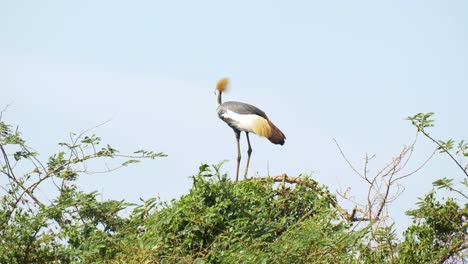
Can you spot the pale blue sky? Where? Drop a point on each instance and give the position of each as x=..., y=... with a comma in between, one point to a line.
x=350, y=70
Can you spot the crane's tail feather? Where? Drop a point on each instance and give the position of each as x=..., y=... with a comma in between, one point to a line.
x=276, y=137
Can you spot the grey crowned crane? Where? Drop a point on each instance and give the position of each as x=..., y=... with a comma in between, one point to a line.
x=248, y=118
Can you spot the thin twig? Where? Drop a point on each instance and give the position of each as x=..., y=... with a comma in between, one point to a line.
x=11, y=175
x=446, y=151
x=346, y=159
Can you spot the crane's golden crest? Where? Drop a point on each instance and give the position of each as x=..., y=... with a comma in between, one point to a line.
x=222, y=84
x=261, y=127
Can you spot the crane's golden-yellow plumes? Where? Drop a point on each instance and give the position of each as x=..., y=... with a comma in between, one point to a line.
x=261, y=127
x=222, y=84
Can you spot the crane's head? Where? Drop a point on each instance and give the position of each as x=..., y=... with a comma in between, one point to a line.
x=222, y=85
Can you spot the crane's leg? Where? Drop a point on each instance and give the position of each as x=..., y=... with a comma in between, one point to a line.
x=249, y=151
x=238, y=154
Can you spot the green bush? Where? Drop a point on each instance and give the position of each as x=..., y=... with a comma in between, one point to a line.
x=249, y=221
x=261, y=220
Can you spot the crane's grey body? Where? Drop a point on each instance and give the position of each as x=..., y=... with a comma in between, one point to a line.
x=241, y=108
x=238, y=108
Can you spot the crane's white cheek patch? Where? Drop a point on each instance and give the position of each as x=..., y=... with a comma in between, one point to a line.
x=250, y=123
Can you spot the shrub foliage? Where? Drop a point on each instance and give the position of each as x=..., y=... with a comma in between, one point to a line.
x=217, y=221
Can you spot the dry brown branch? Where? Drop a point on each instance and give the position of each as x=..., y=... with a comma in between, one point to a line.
x=4, y=110
x=383, y=186
x=463, y=245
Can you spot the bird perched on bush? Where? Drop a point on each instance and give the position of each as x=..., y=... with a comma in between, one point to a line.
x=248, y=118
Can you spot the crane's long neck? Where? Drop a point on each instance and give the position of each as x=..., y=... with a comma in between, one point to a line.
x=218, y=98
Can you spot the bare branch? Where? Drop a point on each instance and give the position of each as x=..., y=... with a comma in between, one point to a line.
x=346, y=159
x=4, y=110
x=383, y=186
x=11, y=175
x=446, y=151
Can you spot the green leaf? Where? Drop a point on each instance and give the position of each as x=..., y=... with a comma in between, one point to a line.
x=443, y=183
x=128, y=162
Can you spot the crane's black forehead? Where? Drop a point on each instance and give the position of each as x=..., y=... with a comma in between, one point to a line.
x=242, y=108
